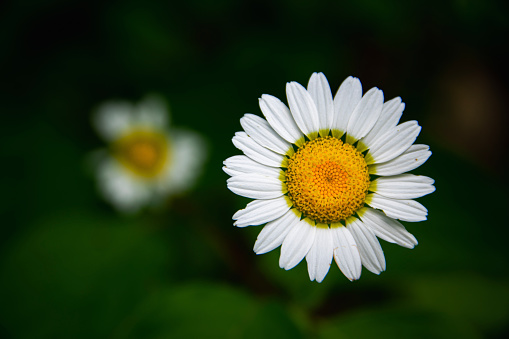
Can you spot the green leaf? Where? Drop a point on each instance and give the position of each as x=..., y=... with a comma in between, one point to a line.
x=395, y=323
x=482, y=302
x=202, y=310
x=77, y=276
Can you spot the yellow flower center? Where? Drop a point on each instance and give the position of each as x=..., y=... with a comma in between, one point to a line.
x=143, y=153
x=327, y=180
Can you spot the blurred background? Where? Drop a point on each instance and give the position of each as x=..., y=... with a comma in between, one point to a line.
x=72, y=267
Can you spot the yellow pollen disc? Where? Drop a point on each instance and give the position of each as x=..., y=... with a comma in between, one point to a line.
x=327, y=180
x=144, y=153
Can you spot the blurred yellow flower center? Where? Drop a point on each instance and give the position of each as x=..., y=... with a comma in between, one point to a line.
x=144, y=153
x=327, y=180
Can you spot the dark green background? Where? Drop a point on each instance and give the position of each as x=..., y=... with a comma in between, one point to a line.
x=71, y=267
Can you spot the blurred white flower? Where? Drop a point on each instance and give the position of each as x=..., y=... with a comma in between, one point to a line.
x=146, y=161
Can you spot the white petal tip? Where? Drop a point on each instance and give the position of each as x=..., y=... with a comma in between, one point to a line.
x=407, y=245
x=352, y=279
x=287, y=266
x=237, y=224
x=259, y=250
x=319, y=280
x=413, y=242
x=352, y=276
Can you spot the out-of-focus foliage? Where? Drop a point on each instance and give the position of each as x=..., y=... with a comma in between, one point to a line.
x=70, y=267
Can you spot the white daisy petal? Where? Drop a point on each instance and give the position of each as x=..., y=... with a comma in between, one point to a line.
x=261, y=132
x=389, y=118
x=319, y=89
x=371, y=253
x=259, y=212
x=151, y=112
x=412, y=158
x=393, y=142
x=365, y=115
x=256, y=186
x=239, y=164
x=113, y=118
x=387, y=228
x=346, y=253
x=303, y=109
x=273, y=234
x=119, y=187
x=320, y=254
x=297, y=244
x=404, y=186
x=347, y=97
x=280, y=118
x=406, y=210
x=257, y=152
x=187, y=151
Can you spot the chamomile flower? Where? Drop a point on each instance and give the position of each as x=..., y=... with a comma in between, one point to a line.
x=146, y=161
x=328, y=175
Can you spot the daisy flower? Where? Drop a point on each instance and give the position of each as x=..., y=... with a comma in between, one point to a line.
x=146, y=161
x=328, y=176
